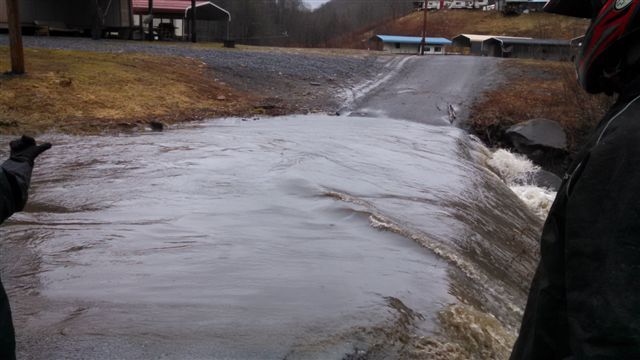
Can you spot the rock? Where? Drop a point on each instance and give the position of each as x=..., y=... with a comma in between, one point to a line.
x=156, y=125
x=538, y=132
x=543, y=141
x=315, y=83
x=265, y=107
x=221, y=97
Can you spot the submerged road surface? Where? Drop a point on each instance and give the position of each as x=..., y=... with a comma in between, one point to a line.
x=297, y=237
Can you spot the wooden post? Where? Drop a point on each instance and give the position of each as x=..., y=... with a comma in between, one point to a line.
x=423, y=44
x=193, y=21
x=15, y=37
x=151, y=20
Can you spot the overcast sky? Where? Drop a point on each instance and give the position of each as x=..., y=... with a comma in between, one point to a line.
x=315, y=3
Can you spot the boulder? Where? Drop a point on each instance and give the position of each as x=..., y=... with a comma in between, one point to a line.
x=538, y=133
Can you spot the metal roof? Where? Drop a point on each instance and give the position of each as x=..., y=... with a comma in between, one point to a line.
x=466, y=39
x=411, y=40
x=209, y=11
x=525, y=41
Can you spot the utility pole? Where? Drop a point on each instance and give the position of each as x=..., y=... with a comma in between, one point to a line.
x=193, y=21
x=151, y=20
x=15, y=37
x=423, y=44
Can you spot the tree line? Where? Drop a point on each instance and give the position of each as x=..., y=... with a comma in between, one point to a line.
x=293, y=23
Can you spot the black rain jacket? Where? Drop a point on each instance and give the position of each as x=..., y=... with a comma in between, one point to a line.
x=15, y=178
x=584, y=302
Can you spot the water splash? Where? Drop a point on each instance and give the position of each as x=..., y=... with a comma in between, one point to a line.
x=537, y=199
x=518, y=173
x=470, y=335
x=512, y=168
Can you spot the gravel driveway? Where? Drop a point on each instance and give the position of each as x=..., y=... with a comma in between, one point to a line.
x=304, y=81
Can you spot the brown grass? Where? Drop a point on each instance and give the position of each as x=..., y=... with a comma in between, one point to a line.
x=450, y=23
x=538, y=89
x=81, y=91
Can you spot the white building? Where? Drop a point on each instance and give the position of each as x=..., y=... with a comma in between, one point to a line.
x=410, y=44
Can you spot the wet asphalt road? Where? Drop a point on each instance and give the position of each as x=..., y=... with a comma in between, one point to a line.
x=436, y=90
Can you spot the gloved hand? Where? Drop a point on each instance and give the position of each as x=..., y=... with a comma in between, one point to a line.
x=26, y=150
x=17, y=174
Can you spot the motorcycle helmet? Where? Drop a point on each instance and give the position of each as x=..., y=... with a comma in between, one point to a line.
x=604, y=52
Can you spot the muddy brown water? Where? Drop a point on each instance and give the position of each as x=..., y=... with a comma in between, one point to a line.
x=295, y=237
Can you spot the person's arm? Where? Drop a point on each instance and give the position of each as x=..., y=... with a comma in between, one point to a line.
x=15, y=176
x=602, y=249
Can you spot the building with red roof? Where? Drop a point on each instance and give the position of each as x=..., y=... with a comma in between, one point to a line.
x=124, y=18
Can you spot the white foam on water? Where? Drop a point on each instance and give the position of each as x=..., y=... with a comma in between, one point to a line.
x=517, y=172
x=512, y=168
x=537, y=199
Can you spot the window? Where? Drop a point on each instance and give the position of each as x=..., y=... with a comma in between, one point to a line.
x=397, y=45
x=438, y=49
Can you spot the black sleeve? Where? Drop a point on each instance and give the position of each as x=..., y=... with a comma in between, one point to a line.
x=15, y=179
x=602, y=249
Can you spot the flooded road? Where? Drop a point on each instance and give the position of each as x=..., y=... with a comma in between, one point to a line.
x=295, y=237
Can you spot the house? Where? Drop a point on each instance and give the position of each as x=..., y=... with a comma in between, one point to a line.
x=409, y=44
x=544, y=49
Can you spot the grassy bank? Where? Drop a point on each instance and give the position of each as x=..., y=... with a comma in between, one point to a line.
x=76, y=91
x=538, y=89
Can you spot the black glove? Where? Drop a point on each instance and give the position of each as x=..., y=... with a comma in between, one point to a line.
x=17, y=170
x=26, y=150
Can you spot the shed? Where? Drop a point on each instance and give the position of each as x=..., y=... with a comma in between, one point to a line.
x=476, y=43
x=473, y=42
x=409, y=44
x=174, y=13
x=544, y=49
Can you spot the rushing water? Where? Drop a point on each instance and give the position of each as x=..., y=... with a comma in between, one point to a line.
x=295, y=237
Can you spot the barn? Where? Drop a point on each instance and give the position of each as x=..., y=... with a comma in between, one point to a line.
x=409, y=44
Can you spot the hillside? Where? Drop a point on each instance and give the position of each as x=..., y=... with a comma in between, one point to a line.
x=450, y=23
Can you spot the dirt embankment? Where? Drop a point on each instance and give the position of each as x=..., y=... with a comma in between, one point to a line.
x=80, y=85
